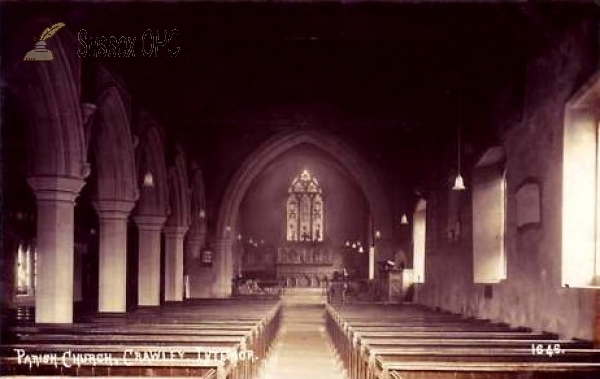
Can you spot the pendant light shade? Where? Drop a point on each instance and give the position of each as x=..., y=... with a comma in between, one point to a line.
x=148, y=180
x=459, y=183
x=404, y=219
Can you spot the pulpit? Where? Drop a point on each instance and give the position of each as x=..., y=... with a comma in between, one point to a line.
x=394, y=291
x=396, y=284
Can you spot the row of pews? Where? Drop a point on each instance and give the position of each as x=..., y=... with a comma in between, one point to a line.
x=212, y=339
x=414, y=342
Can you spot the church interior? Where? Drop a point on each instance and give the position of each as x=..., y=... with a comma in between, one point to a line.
x=336, y=190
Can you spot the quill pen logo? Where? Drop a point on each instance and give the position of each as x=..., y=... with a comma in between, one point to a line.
x=40, y=53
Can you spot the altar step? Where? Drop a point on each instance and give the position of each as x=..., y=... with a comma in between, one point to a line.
x=301, y=295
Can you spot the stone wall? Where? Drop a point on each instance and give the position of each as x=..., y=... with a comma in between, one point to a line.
x=531, y=295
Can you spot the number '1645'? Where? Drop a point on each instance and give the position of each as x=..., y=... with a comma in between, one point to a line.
x=548, y=350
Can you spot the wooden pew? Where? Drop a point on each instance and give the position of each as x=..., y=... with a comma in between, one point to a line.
x=486, y=370
x=182, y=330
x=252, y=338
x=463, y=339
x=131, y=354
x=349, y=337
x=372, y=356
x=122, y=360
x=410, y=345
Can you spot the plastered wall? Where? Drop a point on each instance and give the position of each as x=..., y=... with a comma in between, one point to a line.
x=531, y=295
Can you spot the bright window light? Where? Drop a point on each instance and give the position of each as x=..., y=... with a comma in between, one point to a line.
x=489, y=218
x=419, y=230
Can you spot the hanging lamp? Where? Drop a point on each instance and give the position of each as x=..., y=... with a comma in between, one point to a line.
x=404, y=219
x=459, y=183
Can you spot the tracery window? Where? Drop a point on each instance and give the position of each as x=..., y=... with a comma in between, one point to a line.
x=304, y=210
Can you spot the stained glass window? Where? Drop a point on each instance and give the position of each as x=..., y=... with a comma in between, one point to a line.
x=304, y=210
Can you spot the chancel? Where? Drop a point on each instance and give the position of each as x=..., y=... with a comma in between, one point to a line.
x=332, y=190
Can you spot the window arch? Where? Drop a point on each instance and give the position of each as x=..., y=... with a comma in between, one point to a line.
x=305, y=207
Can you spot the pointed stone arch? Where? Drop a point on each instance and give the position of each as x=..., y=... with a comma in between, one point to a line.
x=48, y=94
x=198, y=199
x=112, y=146
x=357, y=168
x=176, y=228
x=179, y=193
x=154, y=199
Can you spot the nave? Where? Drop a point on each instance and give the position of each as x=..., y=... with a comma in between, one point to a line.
x=248, y=339
x=159, y=212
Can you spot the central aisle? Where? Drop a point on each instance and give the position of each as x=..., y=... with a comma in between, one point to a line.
x=302, y=349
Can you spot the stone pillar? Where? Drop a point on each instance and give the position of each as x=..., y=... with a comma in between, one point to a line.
x=174, y=262
x=55, y=197
x=195, y=241
x=112, y=262
x=200, y=277
x=149, y=228
x=224, y=267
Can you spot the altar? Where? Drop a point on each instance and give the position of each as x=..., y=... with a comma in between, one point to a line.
x=304, y=253
x=304, y=264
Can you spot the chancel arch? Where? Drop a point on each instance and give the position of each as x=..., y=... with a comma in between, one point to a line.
x=360, y=172
x=268, y=255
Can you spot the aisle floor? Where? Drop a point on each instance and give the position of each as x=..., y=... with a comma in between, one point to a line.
x=302, y=349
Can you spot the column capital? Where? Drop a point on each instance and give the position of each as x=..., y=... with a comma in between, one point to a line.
x=56, y=188
x=175, y=230
x=150, y=222
x=113, y=209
